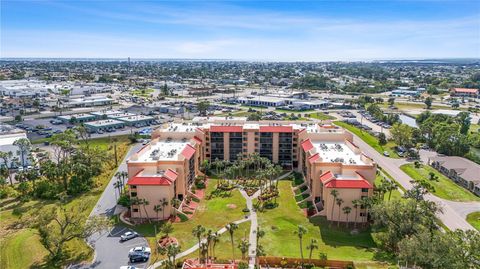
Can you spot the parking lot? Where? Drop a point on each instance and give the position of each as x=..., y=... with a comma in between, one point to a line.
x=111, y=253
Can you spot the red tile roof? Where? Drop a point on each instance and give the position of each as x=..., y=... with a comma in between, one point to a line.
x=307, y=145
x=349, y=184
x=188, y=151
x=165, y=180
x=327, y=176
x=226, y=129
x=313, y=158
x=276, y=129
x=465, y=90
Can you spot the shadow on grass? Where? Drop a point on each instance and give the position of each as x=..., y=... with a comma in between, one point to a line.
x=338, y=236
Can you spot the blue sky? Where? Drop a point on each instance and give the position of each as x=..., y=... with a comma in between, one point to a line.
x=244, y=30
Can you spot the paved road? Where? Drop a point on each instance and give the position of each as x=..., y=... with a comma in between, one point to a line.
x=252, y=239
x=452, y=217
x=109, y=251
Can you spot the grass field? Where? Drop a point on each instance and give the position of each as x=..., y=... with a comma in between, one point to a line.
x=143, y=93
x=280, y=223
x=474, y=219
x=212, y=214
x=321, y=116
x=370, y=139
x=15, y=241
x=444, y=188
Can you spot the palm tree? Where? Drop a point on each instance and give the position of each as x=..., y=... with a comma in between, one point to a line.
x=346, y=211
x=334, y=194
x=243, y=246
x=339, y=202
x=209, y=241
x=121, y=175
x=231, y=228
x=136, y=201
x=300, y=232
x=118, y=186
x=365, y=203
x=356, y=204
x=215, y=241
x=198, y=233
x=163, y=203
x=157, y=208
x=313, y=245
x=175, y=203
x=172, y=252
x=144, y=203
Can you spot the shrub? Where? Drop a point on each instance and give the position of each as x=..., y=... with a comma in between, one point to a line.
x=182, y=217
x=124, y=200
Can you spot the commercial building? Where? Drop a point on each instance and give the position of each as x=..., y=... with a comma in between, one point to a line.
x=464, y=92
x=104, y=125
x=462, y=171
x=76, y=118
x=136, y=120
x=324, y=154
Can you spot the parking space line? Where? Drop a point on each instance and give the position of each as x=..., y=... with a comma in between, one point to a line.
x=120, y=232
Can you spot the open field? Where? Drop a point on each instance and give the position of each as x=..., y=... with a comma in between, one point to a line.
x=143, y=92
x=280, y=224
x=370, y=139
x=474, y=219
x=444, y=187
x=321, y=116
x=17, y=239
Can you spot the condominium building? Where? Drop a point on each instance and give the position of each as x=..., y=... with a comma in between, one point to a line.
x=324, y=154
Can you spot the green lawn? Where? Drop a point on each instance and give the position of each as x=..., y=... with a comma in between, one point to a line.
x=280, y=240
x=321, y=116
x=143, y=93
x=444, y=188
x=369, y=139
x=17, y=240
x=212, y=214
x=474, y=219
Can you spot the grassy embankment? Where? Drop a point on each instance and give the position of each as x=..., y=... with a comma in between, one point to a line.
x=444, y=188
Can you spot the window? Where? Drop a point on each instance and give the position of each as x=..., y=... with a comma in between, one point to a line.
x=133, y=194
x=364, y=190
x=133, y=186
x=362, y=214
x=135, y=210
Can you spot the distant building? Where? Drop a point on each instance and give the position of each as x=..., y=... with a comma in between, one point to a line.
x=77, y=118
x=406, y=92
x=463, y=171
x=265, y=101
x=464, y=92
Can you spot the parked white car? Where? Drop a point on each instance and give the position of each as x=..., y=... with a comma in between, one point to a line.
x=128, y=235
x=139, y=250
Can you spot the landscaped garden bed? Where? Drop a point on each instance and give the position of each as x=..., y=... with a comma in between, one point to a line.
x=297, y=179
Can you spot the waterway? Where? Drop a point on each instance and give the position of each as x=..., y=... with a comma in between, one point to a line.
x=408, y=120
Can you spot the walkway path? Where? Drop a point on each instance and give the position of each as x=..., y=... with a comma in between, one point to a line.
x=252, y=249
